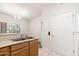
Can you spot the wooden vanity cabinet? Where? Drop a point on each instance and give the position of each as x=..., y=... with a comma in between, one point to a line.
x=33, y=48
x=20, y=49
x=5, y=51
x=28, y=48
x=19, y=46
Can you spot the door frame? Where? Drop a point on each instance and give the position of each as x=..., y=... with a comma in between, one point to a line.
x=76, y=32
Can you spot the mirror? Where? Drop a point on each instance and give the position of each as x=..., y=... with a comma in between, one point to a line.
x=9, y=27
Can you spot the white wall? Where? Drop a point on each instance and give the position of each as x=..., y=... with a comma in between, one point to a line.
x=56, y=9
x=35, y=27
x=9, y=19
x=51, y=11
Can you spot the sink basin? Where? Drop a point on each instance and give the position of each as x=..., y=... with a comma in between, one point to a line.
x=20, y=39
x=29, y=38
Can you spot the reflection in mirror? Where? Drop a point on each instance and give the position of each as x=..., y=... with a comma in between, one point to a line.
x=13, y=28
x=3, y=27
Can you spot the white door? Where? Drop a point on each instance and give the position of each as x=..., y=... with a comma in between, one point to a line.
x=61, y=28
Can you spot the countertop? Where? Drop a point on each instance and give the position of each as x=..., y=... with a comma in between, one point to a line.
x=8, y=42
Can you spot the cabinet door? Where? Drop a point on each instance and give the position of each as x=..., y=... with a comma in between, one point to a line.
x=20, y=52
x=33, y=49
x=5, y=51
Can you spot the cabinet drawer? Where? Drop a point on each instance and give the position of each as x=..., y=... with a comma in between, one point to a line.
x=18, y=46
x=5, y=51
x=34, y=41
x=20, y=52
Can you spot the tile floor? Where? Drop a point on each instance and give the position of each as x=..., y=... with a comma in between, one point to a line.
x=47, y=52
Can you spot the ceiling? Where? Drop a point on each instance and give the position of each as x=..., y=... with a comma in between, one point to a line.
x=23, y=10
